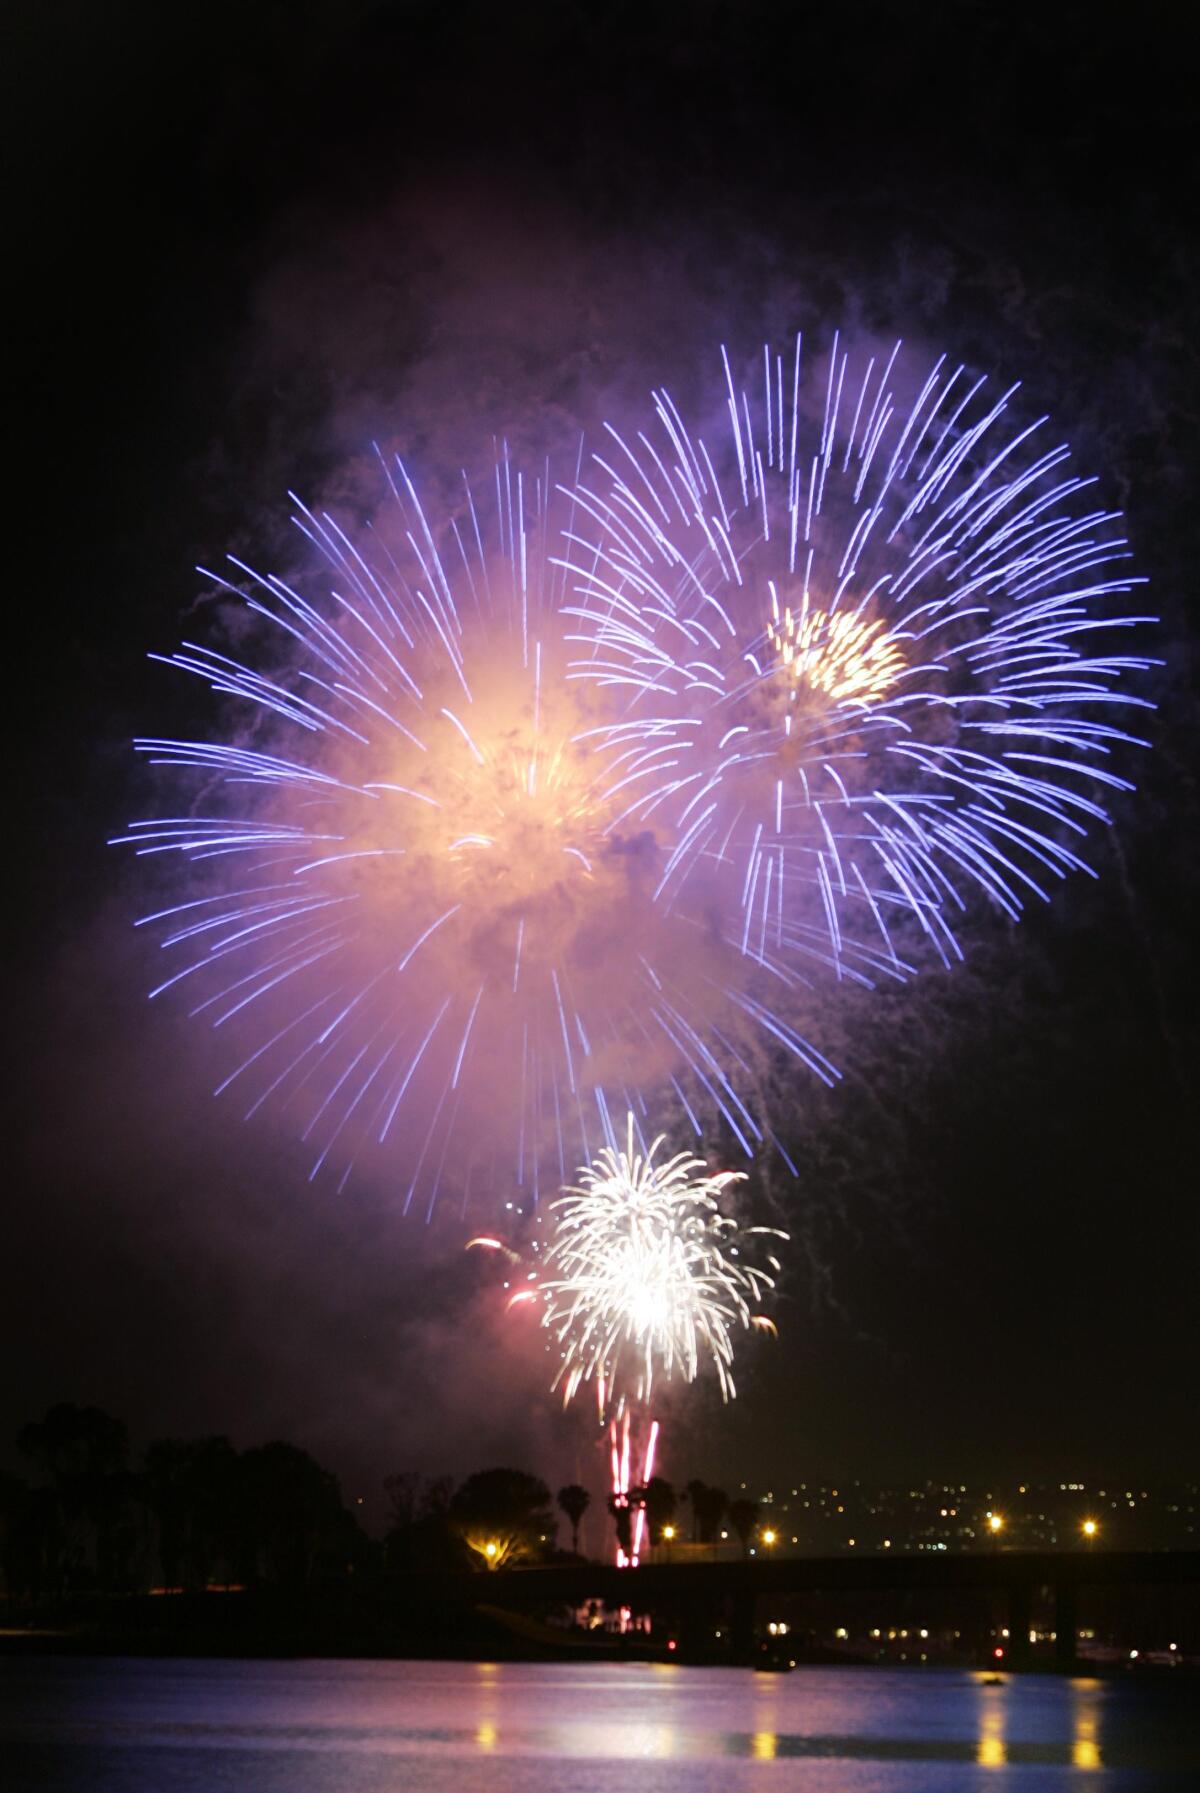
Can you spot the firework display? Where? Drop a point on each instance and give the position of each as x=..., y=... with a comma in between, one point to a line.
x=573, y=800
x=625, y=1491
x=400, y=891
x=871, y=644
x=643, y=1273
x=579, y=800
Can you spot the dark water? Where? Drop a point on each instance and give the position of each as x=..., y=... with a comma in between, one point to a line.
x=122, y=1726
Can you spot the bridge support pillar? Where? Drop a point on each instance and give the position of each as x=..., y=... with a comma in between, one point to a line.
x=742, y=1628
x=1020, y=1615
x=1066, y=1623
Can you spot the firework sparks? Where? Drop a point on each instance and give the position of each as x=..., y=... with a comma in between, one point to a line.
x=870, y=648
x=402, y=901
x=840, y=657
x=644, y=1276
x=507, y=841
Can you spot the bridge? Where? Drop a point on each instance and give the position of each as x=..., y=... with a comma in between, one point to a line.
x=738, y=1586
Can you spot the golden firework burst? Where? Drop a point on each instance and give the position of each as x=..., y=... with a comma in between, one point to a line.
x=845, y=658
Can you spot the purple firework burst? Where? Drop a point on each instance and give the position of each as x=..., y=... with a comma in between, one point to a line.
x=872, y=650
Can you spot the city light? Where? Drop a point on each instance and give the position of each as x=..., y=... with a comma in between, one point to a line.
x=995, y=1523
x=1090, y=1528
x=668, y=1532
x=768, y=1537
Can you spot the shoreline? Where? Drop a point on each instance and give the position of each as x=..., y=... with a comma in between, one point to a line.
x=503, y=1647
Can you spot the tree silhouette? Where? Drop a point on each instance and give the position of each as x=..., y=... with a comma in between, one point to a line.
x=709, y=1508
x=413, y=1497
x=660, y=1506
x=507, y=1509
x=694, y=1493
x=192, y=1486
x=72, y=1444
x=86, y=1519
x=269, y=1515
x=622, y=1511
x=743, y=1516
x=22, y=1557
x=574, y=1500
x=293, y=1526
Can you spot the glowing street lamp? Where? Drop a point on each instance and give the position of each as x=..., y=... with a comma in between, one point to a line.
x=1089, y=1529
x=769, y=1537
x=490, y=1553
x=995, y=1523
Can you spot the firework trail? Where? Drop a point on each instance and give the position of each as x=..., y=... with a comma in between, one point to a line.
x=396, y=888
x=870, y=648
x=624, y=1489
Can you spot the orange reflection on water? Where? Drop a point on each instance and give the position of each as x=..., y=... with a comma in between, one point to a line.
x=991, y=1751
x=486, y=1735
x=1085, y=1739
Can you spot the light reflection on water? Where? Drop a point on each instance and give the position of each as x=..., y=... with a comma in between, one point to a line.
x=1084, y=1713
x=1085, y=1743
x=80, y=1726
x=991, y=1752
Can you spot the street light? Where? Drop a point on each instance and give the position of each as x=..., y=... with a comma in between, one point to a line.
x=768, y=1537
x=1089, y=1529
x=995, y=1523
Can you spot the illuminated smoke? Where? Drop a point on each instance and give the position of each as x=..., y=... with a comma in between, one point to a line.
x=575, y=803
x=402, y=892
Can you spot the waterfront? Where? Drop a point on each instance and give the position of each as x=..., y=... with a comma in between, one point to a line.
x=119, y=1725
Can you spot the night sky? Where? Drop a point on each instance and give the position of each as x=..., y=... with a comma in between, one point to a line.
x=249, y=239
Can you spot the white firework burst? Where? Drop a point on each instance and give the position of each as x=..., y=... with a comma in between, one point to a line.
x=646, y=1276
